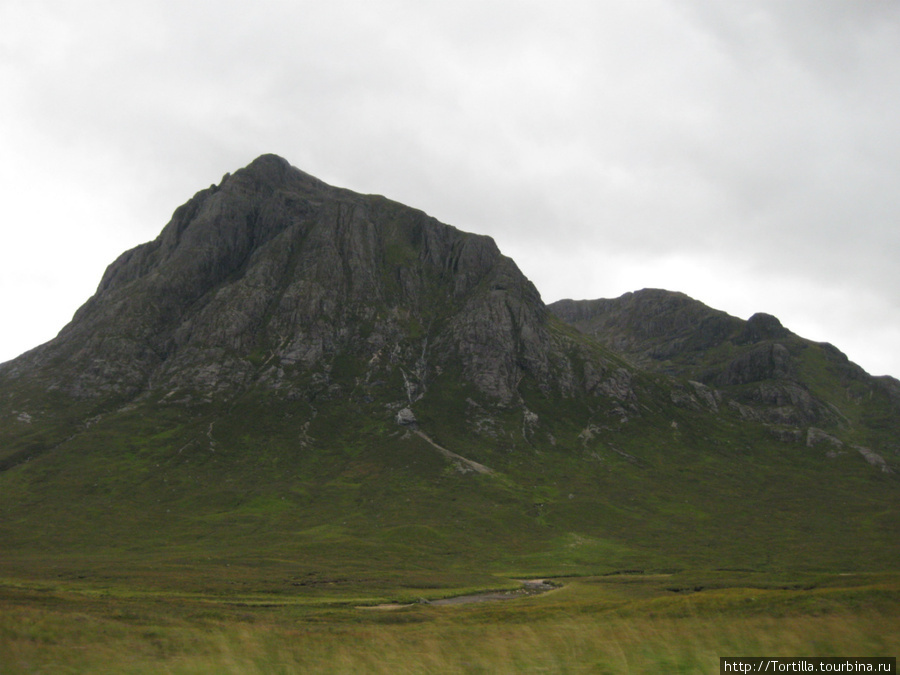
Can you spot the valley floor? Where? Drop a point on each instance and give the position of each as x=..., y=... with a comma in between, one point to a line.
x=620, y=623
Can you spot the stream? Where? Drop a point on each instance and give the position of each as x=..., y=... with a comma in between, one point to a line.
x=529, y=588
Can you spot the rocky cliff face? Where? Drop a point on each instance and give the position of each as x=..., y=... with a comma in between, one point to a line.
x=273, y=278
x=651, y=325
x=765, y=372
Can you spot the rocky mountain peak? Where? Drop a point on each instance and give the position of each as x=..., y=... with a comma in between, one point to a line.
x=272, y=172
x=762, y=326
x=271, y=167
x=272, y=276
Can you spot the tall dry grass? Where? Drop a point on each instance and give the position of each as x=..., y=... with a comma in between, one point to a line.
x=40, y=641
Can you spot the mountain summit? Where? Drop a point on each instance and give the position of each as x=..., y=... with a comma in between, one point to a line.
x=304, y=377
x=273, y=278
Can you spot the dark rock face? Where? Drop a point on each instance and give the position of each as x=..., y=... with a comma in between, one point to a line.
x=766, y=362
x=649, y=325
x=273, y=277
x=757, y=363
x=762, y=327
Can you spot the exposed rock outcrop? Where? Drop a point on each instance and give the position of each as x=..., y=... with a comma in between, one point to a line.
x=273, y=278
x=765, y=372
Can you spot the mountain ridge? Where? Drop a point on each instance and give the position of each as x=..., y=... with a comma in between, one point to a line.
x=272, y=278
x=762, y=367
x=293, y=371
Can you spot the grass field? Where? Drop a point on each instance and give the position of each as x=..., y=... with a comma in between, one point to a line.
x=620, y=623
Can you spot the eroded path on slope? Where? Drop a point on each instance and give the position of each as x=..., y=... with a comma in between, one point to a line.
x=452, y=456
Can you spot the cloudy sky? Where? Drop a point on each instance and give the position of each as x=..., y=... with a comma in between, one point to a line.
x=745, y=153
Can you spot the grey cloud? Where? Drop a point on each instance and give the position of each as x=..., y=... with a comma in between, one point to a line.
x=588, y=136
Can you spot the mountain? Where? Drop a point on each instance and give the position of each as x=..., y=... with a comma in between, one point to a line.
x=758, y=368
x=274, y=279
x=295, y=376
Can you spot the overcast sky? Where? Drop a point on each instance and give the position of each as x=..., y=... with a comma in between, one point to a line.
x=745, y=153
